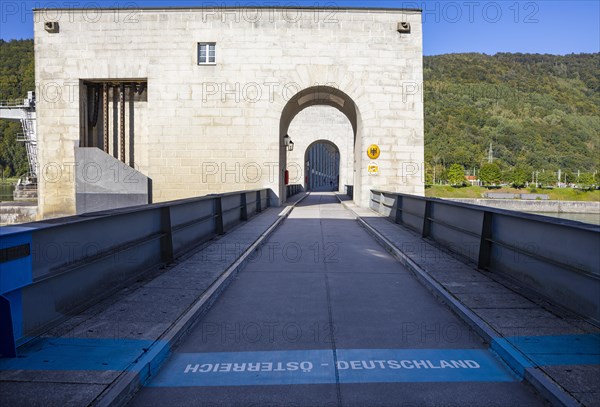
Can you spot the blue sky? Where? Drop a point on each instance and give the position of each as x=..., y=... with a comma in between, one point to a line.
x=546, y=26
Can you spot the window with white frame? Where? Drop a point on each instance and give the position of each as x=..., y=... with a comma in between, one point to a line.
x=207, y=53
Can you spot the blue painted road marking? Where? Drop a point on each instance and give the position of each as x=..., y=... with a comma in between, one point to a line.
x=247, y=369
x=420, y=365
x=317, y=367
x=303, y=367
x=557, y=350
x=78, y=354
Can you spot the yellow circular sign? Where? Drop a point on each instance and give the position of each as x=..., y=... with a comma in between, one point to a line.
x=373, y=168
x=374, y=152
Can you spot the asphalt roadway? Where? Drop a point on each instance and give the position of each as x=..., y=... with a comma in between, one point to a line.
x=324, y=316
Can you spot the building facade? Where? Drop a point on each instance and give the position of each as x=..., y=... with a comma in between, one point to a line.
x=164, y=104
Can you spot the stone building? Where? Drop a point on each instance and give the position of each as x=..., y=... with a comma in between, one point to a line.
x=161, y=104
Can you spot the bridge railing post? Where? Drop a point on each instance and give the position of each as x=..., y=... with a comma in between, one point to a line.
x=166, y=246
x=8, y=347
x=219, y=227
x=427, y=219
x=243, y=207
x=485, y=245
x=398, y=216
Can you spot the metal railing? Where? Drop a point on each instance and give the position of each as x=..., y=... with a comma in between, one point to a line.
x=53, y=269
x=12, y=102
x=556, y=258
x=350, y=191
x=294, y=190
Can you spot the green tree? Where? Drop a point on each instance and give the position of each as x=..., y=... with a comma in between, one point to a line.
x=518, y=177
x=547, y=178
x=490, y=174
x=429, y=176
x=16, y=78
x=539, y=111
x=13, y=157
x=456, y=175
x=569, y=177
x=586, y=181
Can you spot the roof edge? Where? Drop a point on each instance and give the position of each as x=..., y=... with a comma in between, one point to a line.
x=179, y=8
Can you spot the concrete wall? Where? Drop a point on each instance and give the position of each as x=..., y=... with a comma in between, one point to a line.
x=535, y=206
x=103, y=182
x=17, y=212
x=216, y=128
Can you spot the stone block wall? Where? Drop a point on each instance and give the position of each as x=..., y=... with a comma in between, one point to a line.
x=216, y=128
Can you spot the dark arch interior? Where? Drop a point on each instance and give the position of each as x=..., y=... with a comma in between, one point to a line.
x=316, y=95
x=322, y=166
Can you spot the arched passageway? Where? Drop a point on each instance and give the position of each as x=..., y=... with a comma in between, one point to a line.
x=322, y=167
x=331, y=128
x=296, y=161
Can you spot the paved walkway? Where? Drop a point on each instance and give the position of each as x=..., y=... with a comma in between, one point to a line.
x=99, y=357
x=324, y=316
x=321, y=315
x=556, y=350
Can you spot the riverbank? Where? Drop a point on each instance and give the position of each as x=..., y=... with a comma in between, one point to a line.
x=7, y=185
x=557, y=194
x=538, y=206
x=13, y=213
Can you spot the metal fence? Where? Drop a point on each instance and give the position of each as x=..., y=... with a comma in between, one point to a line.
x=294, y=190
x=51, y=270
x=350, y=191
x=559, y=259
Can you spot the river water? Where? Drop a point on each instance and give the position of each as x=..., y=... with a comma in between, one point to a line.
x=6, y=192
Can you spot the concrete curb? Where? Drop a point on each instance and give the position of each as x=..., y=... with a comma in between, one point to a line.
x=129, y=382
x=512, y=356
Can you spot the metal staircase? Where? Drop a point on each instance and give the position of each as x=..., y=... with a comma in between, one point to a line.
x=24, y=111
x=30, y=139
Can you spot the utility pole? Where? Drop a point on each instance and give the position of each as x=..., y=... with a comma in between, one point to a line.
x=491, y=154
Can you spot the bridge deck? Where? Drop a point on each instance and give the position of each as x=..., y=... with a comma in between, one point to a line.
x=100, y=356
x=323, y=295
x=553, y=348
x=321, y=315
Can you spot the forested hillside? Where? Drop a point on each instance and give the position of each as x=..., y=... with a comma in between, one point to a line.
x=540, y=113
x=17, y=76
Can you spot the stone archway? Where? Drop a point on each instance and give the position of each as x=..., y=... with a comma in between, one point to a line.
x=326, y=96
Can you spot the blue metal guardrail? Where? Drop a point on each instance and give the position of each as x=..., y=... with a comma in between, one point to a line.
x=294, y=190
x=556, y=258
x=53, y=269
x=350, y=191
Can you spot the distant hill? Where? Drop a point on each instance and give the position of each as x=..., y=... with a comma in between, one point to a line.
x=539, y=112
x=17, y=76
